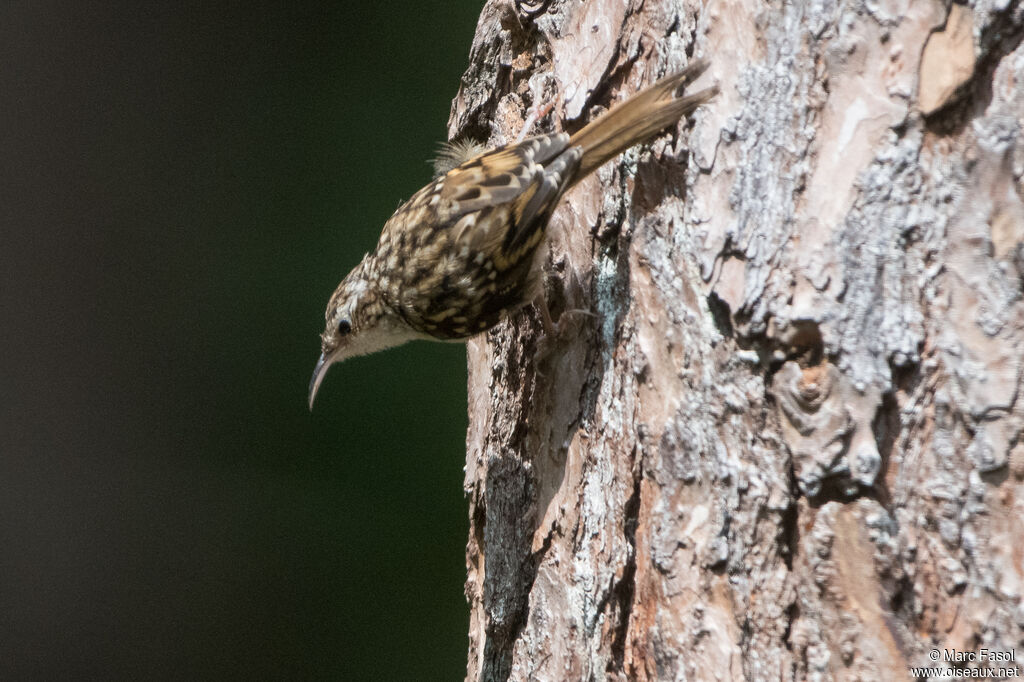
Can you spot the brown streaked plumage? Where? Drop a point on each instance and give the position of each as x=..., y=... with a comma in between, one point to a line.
x=459, y=255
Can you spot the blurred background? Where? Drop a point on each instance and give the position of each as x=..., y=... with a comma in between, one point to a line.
x=182, y=185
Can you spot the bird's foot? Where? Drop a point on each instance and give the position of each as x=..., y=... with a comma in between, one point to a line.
x=568, y=324
x=537, y=110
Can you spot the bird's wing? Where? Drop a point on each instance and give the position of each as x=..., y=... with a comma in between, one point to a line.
x=515, y=187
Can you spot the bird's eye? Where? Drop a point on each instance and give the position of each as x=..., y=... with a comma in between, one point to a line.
x=344, y=327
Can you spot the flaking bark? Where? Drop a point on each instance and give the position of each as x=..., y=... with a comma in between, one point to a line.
x=788, y=441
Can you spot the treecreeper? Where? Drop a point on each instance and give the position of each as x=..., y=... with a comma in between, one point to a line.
x=463, y=252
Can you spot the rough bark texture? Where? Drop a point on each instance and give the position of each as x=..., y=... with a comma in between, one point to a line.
x=789, y=442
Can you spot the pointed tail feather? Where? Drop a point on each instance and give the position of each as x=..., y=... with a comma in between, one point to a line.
x=639, y=118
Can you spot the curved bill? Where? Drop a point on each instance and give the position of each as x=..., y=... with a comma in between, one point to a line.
x=318, y=376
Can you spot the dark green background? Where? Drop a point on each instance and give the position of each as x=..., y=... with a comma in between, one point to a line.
x=183, y=185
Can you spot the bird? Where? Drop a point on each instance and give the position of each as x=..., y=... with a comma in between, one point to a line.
x=462, y=253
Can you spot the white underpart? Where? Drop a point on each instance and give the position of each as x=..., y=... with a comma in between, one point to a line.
x=365, y=341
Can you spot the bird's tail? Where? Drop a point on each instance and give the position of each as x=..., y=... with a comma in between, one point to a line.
x=640, y=117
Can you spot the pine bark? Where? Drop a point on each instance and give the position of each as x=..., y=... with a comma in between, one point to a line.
x=787, y=441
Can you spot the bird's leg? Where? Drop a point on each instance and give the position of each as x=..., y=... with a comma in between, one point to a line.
x=533, y=115
x=572, y=290
x=549, y=335
x=537, y=111
x=548, y=325
x=553, y=331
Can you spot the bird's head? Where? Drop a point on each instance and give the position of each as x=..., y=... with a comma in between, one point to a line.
x=358, y=321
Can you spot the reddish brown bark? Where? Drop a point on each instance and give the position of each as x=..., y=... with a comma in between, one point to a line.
x=788, y=442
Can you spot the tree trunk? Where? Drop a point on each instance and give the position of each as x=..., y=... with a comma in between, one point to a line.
x=787, y=441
